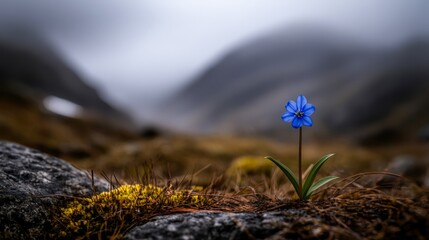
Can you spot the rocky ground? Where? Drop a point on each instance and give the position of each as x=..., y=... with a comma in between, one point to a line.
x=33, y=186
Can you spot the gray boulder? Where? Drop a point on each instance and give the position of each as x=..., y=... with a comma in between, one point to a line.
x=330, y=219
x=31, y=184
x=206, y=225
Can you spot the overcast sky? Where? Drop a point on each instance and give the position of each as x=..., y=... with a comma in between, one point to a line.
x=139, y=51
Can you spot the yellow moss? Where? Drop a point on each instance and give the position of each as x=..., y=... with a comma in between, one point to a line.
x=249, y=165
x=197, y=188
x=87, y=216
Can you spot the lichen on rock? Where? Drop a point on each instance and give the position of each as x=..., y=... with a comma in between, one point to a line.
x=31, y=185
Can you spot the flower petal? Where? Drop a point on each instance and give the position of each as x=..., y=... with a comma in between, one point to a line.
x=297, y=122
x=288, y=117
x=307, y=121
x=291, y=107
x=309, y=109
x=301, y=101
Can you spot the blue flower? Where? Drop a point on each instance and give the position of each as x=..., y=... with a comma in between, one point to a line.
x=299, y=112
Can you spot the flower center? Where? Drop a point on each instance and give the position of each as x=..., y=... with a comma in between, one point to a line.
x=299, y=114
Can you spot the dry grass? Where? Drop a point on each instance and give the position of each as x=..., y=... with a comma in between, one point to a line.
x=356, y=207
x=25, y=121
x=176, y=156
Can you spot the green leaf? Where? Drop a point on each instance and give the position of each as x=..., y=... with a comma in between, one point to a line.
x=313, y=172
x=318, y=184
x=289, y=174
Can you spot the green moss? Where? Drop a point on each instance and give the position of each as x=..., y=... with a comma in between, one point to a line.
x=111, y=213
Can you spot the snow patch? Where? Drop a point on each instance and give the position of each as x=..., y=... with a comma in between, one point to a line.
x=62, y=107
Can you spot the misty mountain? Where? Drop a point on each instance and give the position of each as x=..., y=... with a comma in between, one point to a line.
x=30, y=66
x=362, y=93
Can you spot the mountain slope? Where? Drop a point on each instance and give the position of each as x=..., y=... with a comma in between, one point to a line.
x=28, y=65
x=361, y=93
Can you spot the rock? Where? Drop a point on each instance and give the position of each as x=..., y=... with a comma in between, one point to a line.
x=424, y=133
x=406, y=166
x=359, y=217
x=150, y=132
x=205, y=225
x=30, y=185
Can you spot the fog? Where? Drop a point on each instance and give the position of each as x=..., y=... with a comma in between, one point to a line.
x=139, y=52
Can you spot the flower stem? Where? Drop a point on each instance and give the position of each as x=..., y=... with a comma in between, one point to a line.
x=299, y=165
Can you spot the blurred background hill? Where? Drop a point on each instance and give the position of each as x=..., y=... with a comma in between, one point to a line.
x=47, y=105
x=362, y=93
x=198, y=85
x=30, y=66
